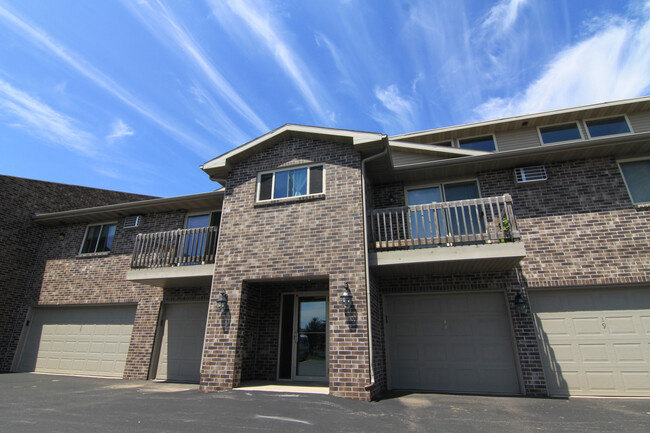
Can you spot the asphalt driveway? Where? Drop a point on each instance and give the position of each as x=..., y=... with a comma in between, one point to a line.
x=43, y=403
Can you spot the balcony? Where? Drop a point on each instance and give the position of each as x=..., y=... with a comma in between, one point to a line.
x=177, y=258
x=465, y=236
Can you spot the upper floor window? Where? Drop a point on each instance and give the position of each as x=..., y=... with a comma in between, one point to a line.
x=478, y=143
x=98, y=238
x=609, y=126
x=294, y=182
x=637, y=178
x=557, y=133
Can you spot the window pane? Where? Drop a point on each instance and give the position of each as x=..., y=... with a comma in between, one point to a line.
x=266, y=182
x=478, y=143
x=90, y=243
x=554, y=134
x=281, y=184
x=426, y=223
x=106, y=238
x=637, y=178
x=611, y=126
x=461, y=191
x=316, y=180
x=299, y=185
x=197, y=221
x=423, y=196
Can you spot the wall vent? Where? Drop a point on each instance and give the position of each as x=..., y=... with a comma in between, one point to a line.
x=535, y=173
x=132, y=221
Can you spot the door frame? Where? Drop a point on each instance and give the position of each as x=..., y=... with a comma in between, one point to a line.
x=294, y=346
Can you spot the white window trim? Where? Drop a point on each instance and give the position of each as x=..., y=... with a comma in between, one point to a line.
x=641, y=204
x=624, y=116
x=456, y=141
x=109, y=223
x=578, y=126
x=278, y=170
x=440, y=185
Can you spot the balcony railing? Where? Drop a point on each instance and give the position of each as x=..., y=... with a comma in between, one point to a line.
x=175, y=248
x=464, y=222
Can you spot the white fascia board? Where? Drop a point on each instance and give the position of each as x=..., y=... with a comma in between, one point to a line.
x=358, y=137
x=433, y=149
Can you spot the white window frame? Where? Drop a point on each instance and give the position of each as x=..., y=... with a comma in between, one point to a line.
x=83, y=242
x=578, y=126
x=279, y=170
x=624, y=116
x=456, y=142
x=620, y=169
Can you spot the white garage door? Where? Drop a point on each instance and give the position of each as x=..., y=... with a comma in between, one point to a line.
x=181, y=344
x=451, y=342
x=594, y=342
x=78, y=341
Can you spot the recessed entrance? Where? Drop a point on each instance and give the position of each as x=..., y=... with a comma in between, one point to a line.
x=303, y=351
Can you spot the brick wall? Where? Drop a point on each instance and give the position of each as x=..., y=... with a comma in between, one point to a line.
x=299, y=238
x=21, y=239
x=579, y=229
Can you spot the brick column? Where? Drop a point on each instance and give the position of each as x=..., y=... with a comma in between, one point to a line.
x=143, y=336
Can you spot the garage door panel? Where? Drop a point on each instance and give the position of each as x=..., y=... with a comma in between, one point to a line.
x=78, y=340
x=600, y=347
x=181, y=342
x=461, y=345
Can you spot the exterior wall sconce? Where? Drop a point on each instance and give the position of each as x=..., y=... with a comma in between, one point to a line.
x=520, y=304
x=222, y=303
x=346, y=297
x=61, y=236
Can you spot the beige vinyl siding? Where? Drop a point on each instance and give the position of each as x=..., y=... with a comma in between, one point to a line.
x=640, y=121
x=518, y=139
x=403, y=159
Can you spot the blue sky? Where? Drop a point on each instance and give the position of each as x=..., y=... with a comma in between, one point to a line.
x=135, y=95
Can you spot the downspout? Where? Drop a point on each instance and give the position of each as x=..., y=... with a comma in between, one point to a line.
x=365, y=252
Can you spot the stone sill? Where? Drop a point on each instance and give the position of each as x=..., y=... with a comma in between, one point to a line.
x=91, y=255
x=290, y=200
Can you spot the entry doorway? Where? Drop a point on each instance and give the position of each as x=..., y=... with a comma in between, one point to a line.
x=303, y=352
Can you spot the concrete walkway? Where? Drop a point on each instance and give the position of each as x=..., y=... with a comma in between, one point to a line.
x=43, y=403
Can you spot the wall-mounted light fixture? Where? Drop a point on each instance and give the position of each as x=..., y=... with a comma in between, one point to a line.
x=346, y=297
x=520, y=304
x=61, y=236
x=392, y=200
x=222, y=303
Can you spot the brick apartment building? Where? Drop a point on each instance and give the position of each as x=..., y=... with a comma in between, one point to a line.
x=502, y=257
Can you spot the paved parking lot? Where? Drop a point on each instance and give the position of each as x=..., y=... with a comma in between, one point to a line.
x=43, y=403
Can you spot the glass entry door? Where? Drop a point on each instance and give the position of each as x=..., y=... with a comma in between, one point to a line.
x=303, y=338
x=310, y=349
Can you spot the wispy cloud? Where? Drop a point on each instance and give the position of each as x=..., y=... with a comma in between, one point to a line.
x=261, y=23
x=400, y=110
x=612, y=64
x=211, y=117
x=502, y=16
x=160, y=20
x=40, y=119
x=119, y=129
x=54, y=48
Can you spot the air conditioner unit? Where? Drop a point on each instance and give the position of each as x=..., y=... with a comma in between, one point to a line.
x=132, y=221
x=535, y=173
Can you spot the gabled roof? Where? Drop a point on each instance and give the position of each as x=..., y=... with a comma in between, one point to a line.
x=365, y=142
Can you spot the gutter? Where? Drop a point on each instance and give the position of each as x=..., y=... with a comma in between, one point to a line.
x=365, y=252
